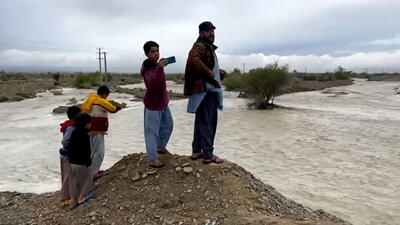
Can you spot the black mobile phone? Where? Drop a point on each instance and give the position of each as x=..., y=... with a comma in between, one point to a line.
x=170, y=60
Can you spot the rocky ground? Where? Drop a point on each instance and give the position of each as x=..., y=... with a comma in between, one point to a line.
x=17, y=90
x=17, y=87
x=384, y=77
x=183, y=192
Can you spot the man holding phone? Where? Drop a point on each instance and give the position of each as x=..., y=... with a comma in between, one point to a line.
x=203, y=86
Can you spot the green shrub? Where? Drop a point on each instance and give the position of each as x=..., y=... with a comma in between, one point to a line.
x=87, y=80
x=3, y=76
x=235, y=82
x=263, y=84
x=325, y=77
x=342, y=76
x=309, y=77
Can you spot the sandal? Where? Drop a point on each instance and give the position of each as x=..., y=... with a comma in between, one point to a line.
x=87, y=198
x=214, y=159
x=196, y=156
x=162, y=151
x=65, y=202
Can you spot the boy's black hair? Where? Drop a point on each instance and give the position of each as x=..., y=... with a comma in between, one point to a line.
x=72, y=112
x=81, y=120
x=147, y=46
x=103, y=90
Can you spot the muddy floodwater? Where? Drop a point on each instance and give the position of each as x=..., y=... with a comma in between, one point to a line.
x=336, y=149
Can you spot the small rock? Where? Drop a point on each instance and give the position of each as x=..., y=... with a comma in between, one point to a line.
x=198, y=175
x=144, y=176
x=187, y=169
x=177, y=169
x=122, y=167
x=250, y=209
x=56, y=92
x=151, y=172
x=185, y=164
x=136, y=177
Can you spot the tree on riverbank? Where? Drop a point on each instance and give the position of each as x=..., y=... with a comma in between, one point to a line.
x=261, y=85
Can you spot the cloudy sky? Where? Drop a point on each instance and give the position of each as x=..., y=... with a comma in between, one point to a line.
x=49, y=35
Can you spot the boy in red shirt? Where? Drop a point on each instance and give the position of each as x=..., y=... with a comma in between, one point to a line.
x=158, y=122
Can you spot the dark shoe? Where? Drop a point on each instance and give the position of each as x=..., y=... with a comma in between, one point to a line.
x=156, y=164
x=162, y=151
x=196, y=156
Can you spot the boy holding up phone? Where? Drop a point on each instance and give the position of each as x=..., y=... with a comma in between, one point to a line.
x=158, y=122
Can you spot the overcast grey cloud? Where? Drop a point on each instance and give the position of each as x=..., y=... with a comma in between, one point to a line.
x=53, y=35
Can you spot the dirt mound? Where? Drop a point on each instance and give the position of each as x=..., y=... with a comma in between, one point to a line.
x=183, y=192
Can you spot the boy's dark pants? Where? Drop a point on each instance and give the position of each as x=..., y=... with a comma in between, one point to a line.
x=205, y=125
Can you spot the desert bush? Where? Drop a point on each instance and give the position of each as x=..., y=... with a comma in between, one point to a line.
x=235, y=71
x=56, y=77
x=309, y=77
x=86, y=80
x=3, y=76
x=325, y=77
x=342, y=74
x=177, y=78
x=235, y=82
x=263, y=84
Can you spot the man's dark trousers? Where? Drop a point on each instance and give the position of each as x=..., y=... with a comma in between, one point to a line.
x=205, y=125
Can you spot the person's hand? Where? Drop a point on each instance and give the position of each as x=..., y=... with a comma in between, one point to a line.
x=215, y=83
x=223, y=74
x=123, y=105
x=162, y=62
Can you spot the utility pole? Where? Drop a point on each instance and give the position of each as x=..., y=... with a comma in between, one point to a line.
x=101, y=80
x=105, y=65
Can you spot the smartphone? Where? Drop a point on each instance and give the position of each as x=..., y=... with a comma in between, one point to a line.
x=170, y=60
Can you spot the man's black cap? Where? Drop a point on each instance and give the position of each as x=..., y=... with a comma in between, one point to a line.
x=206, y=26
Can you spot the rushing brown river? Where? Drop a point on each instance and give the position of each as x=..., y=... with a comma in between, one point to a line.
x=337, y=149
